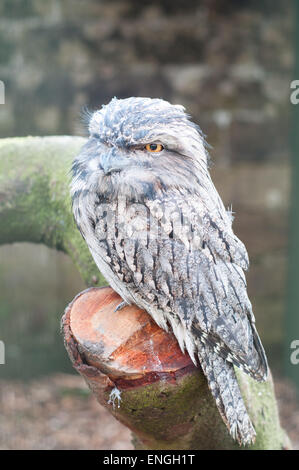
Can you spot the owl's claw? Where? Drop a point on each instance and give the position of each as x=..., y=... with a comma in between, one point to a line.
x=121, y=305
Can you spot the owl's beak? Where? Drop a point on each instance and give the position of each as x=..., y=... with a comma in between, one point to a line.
x=113, y=161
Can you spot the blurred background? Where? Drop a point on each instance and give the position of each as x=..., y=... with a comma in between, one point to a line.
x=230, y=63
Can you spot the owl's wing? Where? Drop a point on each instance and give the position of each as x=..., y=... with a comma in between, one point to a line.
x=182, y=258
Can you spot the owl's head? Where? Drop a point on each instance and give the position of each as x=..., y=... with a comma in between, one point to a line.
x=141, y=140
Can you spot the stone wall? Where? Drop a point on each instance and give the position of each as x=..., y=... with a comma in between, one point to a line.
x=229, y=62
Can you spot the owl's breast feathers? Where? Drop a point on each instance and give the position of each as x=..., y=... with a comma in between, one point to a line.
x=176, y=256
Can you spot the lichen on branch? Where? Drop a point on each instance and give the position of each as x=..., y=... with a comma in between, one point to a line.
x=35, y=203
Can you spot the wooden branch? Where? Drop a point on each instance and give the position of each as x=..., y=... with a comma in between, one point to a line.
x=137, y=371
x=35, y=203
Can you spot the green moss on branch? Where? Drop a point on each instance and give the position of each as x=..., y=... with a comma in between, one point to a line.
x=35, y=203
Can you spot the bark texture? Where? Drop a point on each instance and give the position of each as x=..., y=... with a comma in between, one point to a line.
x=138, y=372
x=35, y=204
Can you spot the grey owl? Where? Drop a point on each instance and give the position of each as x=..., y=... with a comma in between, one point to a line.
x=144, y=201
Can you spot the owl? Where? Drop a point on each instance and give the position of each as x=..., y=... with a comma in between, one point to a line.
x=145, y=204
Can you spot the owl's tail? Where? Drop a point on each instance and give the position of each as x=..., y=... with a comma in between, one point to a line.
x=224, y=387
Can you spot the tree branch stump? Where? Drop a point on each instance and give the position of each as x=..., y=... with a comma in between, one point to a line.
x=138, y=372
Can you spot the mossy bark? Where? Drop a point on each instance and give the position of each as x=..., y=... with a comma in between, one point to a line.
x=35, y=203
x=35, y=207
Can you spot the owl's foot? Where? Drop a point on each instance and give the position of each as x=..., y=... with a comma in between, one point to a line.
x=121, y=305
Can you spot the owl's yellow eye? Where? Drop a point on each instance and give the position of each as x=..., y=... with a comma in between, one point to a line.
x=154, y=147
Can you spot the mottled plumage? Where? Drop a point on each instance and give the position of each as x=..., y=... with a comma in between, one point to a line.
x=162, y=238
